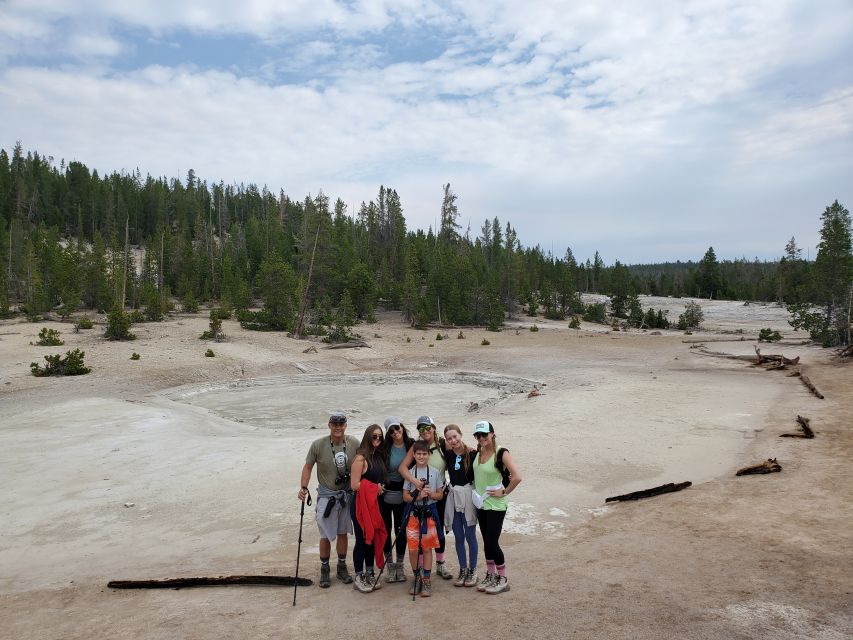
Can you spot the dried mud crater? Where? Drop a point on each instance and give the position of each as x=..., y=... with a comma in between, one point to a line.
x=297, y=402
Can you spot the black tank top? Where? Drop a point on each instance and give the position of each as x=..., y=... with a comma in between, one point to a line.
x=375, y=473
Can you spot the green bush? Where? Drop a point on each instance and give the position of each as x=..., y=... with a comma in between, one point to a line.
x=534, y=328
x=438, y=336
x=118, y=325
x=485, y=343
x=768, y=335
x=692, y=316
x=49, y=338
x=574, y=323
x=134, y=356
x=70, y=365
x=595, y=312
x=209, y=354
x=136, y=316
x=189, y=304
x=84, y=322
x=215, y=330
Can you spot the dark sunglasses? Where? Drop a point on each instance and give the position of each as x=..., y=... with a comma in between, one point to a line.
x=424, y=427
x=376, y=436
x=394, y=428
x=477, y=436
x=337, y=423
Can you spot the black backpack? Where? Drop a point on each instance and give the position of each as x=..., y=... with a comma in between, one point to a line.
x=499, y=465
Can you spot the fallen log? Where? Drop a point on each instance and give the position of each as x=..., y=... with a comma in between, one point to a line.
x=700, y=340
x=806, y=429
x=810, y=386
x=353, y=344
x=768, y=466
x=180, y=583
x=775, y=357
x=648, y=493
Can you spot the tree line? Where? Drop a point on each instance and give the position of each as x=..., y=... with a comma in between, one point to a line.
x=72, y=238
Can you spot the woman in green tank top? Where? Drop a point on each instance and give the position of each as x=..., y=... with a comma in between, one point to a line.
x=489, y=486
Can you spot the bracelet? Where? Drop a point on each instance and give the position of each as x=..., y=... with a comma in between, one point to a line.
x=305, y=488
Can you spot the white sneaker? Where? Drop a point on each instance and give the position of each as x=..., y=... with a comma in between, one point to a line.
x=487, y=582
x=499, y=585
x=460, y=579
x=471, y=578
x=359, y=583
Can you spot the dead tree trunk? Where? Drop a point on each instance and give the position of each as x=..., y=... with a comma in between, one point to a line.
x=648, y=493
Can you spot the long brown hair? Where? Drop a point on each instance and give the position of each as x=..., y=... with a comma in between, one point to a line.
x=372, y=455
x=466, y=457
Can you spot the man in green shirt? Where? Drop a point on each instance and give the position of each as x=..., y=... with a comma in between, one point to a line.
x=333, y=455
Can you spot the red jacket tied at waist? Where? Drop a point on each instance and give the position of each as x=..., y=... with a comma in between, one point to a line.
x=370, y=519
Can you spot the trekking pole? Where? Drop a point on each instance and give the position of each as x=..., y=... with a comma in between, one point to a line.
x=299, y=544
x=393, y=544
x=419, y=576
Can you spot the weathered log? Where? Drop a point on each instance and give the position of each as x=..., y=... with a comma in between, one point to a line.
x=180, y=583
x=648, y=493
x=806, y=429
x=352, y=344
x=775, y=357
x=768, y=466
x=810, y=386
x=701, y=340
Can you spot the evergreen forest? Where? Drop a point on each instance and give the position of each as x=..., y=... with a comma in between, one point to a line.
x=72, y=239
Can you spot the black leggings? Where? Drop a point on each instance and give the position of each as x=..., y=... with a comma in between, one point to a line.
x=395, y=510
x=440, y=524
x=362, y=553
x=491, y=523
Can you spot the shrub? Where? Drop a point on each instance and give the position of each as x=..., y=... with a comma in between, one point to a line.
x=595, y=312
x=692, y=316
x=408, y=339
x=485, y=343
x=534, y=328
x=134, y=356
x=574, y=323
x=768, y=335
x=84, y=322
x=215, y=330
x=136, y=316
x=118, y=326
x=438, y=336
x=209, y=354
x=189, y=304
x=49, y=338
x=70, y=365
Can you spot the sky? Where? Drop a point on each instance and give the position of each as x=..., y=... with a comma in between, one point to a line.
x=647, y=131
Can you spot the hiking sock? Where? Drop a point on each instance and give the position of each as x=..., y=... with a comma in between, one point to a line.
x=324, y=562
x=439, y=557
x=342, y=559
x=490, y=567
x=425, y=573
x=501, y=570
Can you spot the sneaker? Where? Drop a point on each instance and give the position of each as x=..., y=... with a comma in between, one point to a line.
x=324, y=576
x=441, y=570
x=416, y=587
x=401, y=572
x=361, y=583
x=426, y=590
x=471, y=578
x=487, y=582
x=499, y=585
x=460, y=579
x=343, y=574
x=371, y=580
x=391, y=570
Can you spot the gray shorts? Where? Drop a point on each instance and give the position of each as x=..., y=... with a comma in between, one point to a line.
x=338, y=522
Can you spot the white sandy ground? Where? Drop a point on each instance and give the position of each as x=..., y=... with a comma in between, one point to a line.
x=208, y=452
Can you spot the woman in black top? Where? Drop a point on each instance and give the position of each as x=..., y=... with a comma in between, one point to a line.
x=367, y=467
x=460, y=514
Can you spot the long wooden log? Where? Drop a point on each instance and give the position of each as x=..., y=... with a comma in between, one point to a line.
x=810, y=386
x=352, y=344
x=180, y=583
x=648, y=493
x=804, y=426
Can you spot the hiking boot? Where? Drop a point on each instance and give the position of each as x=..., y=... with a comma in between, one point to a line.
x=460, y=579
x=441, y=570
x=416, y=587
x=343, y=574
x=499, y=585
x=391, y=568
x=401, y=572
x=426, y=590
x=471, y=578
x=324, y=576
x=371, y=580
x=361, y=583
x=487, y=582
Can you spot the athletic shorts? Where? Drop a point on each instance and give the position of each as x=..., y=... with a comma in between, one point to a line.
x=428, y=539
x=338, y=522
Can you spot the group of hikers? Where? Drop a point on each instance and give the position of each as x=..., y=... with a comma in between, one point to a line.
x=398, y=494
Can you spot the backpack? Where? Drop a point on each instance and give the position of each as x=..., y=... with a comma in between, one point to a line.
x=499, y=465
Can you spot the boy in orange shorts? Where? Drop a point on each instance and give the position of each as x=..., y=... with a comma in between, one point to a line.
x=422, y=535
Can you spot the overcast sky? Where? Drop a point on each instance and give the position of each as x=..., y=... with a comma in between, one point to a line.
x=644, y=130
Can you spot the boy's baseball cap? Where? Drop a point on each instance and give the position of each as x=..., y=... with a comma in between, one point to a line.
x=484, y=427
